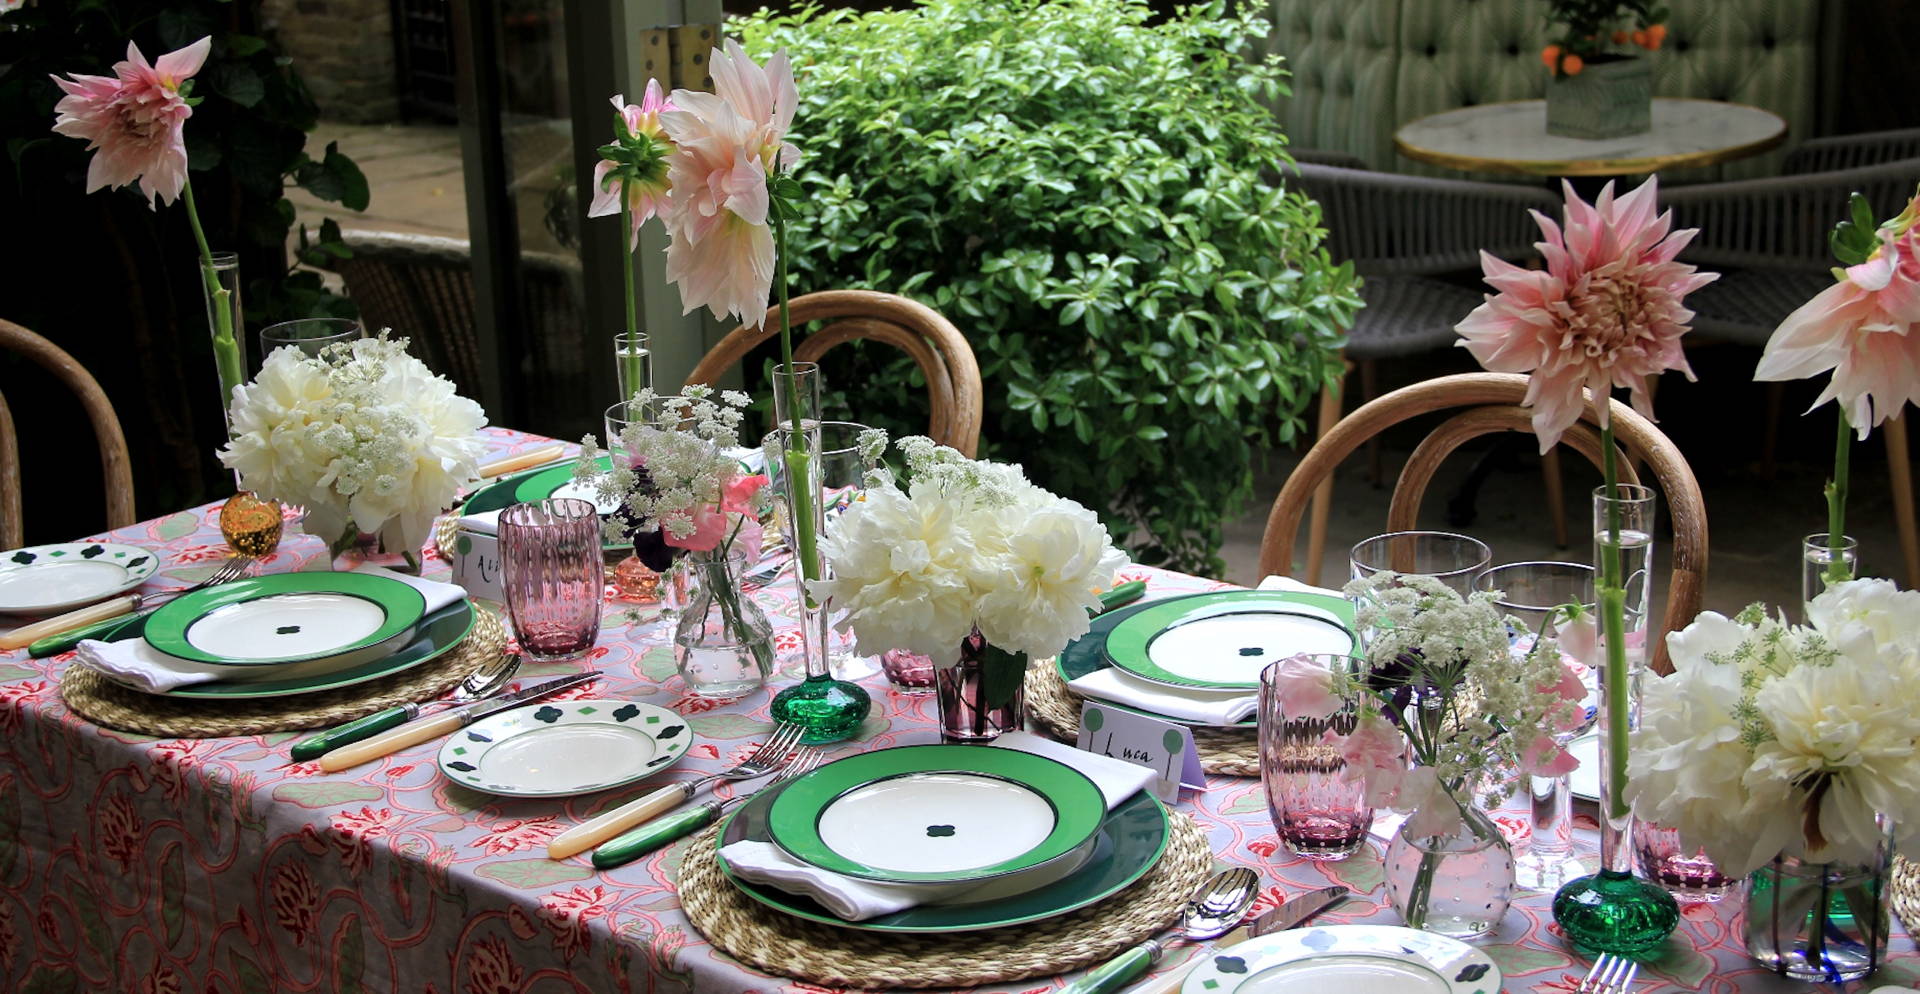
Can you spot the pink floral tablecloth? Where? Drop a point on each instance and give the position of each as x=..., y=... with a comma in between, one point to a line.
x=173, y=865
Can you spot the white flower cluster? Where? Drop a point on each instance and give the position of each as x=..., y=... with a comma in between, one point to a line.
x=364, y=437
x=967, y=544
x=1770, y=739
x=673, y=470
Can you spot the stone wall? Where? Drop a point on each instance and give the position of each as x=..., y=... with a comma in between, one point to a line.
x=344, y=51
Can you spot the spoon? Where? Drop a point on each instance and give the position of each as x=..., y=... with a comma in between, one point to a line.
x=1215, y=908
x=483, y=682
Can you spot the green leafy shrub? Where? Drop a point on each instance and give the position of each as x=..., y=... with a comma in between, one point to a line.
x=1094, y=197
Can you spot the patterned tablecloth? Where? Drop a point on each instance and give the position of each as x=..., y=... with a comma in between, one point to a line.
x=166, y=865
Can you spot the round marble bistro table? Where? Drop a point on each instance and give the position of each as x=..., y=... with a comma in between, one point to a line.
x=1512, y=137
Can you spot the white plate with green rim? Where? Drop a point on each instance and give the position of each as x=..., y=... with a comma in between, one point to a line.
x=44, y=579
x=286, y=625
x=938, y=814
x=1222, y=641
x=438, y=632
x=1352, y=959
x=561, y=748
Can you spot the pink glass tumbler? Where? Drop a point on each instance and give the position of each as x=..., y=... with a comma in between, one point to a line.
x=550, y=567
x=1318, y=813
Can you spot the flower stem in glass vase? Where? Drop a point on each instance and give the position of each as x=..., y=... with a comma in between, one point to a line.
x=633, y=363
x=1612, y=910
x=1838, y=565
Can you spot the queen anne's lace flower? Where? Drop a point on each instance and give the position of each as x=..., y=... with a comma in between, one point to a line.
x=675, y=473
x=365, y=437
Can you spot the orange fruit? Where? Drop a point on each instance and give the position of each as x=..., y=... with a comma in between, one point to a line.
x=1640, y=38
x=1656, y=34
x=1620, y=37
x=1571, y=65
x=1550, y=56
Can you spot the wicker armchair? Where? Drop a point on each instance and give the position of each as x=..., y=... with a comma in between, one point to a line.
x=1399, y=230
x=116, y=470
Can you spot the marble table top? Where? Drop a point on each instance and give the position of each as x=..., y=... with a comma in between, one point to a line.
x=1512, y=137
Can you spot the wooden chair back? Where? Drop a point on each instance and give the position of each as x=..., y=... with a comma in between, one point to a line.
x=116, y=468
x=1493, y=404
x=946, y=361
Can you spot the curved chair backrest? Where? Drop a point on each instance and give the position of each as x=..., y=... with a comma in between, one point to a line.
x=1493, y=401
x=116, y=469
x=954, y=391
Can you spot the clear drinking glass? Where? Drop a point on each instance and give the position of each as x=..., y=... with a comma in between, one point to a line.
x=1454, y=560
x=1531, y=591
x=1816, y=555
x=551, y=572
x=1318, y=814
x=632, y=362
x=1690, y=875
x=840, y=478
x=309, y=335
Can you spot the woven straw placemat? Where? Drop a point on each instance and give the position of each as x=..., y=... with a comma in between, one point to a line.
x=1906, y=890
x=1227, y=751
x=785, y=946
x=107, y=703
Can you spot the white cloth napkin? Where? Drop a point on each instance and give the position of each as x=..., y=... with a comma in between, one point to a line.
x=483, y=523
x=138, y=665
x=857, y=900
x=1213, y=707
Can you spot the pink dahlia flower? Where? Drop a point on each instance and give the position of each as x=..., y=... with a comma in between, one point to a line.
x=721, y=252
x=646, y=191
x=1866, y=328
x=134, y=119
x=1604, y=313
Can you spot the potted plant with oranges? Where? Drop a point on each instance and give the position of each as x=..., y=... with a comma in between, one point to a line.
x=1601, y=87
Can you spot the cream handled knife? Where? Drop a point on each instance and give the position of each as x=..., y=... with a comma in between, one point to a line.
x=415, y=732
x=1296, y=910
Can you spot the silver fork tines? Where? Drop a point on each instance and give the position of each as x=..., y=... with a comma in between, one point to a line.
x=1611, y=974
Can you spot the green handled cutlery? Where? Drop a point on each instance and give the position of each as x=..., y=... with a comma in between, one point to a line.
x=479, y=685
x=659, y=832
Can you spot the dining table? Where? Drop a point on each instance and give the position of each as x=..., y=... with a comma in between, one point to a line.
x=168, y=865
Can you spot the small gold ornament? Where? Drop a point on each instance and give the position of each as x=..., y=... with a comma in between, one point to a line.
x=250, y=525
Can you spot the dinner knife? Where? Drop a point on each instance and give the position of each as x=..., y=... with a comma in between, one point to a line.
x=1291, y=913
x=415, y=732
x=525, y=460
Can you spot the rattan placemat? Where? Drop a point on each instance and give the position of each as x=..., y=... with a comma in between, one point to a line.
x=1906, y=891
x=104, y=702
x=785, y=946
x=1226, y=751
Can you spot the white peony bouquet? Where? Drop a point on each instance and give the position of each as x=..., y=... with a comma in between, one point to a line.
x=365, y=437
x=1771, y=739
x=964, y=545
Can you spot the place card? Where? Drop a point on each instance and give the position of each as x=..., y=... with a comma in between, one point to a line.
x=476, y=565
x=1162, y=746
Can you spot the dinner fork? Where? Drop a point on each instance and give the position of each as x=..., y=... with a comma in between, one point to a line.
x=646, y=839
x=1611, y=974
x=771, y=756
x=62, y=632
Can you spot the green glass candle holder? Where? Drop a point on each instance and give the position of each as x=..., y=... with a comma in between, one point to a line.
x=830, y=710
x=1615, y=912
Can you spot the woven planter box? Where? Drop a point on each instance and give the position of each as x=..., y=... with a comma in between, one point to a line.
x=1612, y=97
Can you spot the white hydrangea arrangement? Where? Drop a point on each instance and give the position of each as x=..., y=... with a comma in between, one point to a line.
x=963, y=545
x=365, y=437
x=677, y=474
x=1772, y=739
x=1447, y=691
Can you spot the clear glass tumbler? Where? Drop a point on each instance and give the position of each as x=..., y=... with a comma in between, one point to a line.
x=309, y=335
x=1455, y=560
x=551, y=571
x=1318, y=814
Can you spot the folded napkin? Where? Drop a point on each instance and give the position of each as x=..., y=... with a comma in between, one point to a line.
x=133, y=662
x=855, y=900
x=483, y=523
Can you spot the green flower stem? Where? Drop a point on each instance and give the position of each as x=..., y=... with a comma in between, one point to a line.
x=1837, y=571
x=226, y=350
x=1613, y=621
x=797, y=458
x=728, y=595
x=634, y=370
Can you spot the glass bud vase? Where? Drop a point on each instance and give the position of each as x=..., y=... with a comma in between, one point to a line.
x=1817, y=558
x=251, y=525
x=723, y=643
x=1458, y=884
x=632, y=363
x=1819, y=922
x=983, y=696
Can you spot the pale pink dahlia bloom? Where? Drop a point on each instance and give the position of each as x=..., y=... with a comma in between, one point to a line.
x=134, y=118
x=1604, y=313
x=727, y=143
x=1866, y=328
x=646, y=195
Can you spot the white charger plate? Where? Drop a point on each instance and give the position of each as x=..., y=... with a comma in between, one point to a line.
x=45, y=579
x=558, y=748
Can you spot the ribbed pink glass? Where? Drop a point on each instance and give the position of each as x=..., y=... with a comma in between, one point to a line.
x=1318, y=814
x=550, y=568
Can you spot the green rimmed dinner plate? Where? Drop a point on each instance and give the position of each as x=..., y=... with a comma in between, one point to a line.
x=1221, y=641
x=438, y=632
x=43, y=579
x=1353, y=959
x=1130, y=841
x=541, y=483
x=558, y=748
x=938, y=814
x=340, y=619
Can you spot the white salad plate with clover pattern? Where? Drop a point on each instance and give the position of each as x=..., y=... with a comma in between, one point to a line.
x=1222, y=641
x=45, y=579
x=560, y=748
x=1352, y=959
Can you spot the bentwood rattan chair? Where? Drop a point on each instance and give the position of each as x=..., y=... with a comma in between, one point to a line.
x=1493, y=401
x=945, y=359
x=116, y=469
